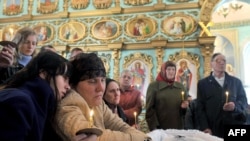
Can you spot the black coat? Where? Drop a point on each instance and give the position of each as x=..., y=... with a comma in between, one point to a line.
x=211, y=98
x=24, y=111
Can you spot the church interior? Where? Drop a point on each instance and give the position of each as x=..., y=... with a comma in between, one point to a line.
x=140, y=33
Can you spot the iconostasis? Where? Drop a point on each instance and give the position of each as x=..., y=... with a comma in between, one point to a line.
x=134, y=34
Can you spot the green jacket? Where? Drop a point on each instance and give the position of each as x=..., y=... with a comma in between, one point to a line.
x=73, y=114
x=163, y=106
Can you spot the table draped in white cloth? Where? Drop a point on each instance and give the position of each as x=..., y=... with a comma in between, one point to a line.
x=181, y=135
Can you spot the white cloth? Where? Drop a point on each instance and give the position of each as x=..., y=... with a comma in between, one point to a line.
x=181, y=135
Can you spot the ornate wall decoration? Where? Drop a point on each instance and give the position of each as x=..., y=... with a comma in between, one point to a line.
x=137, y=2
x=207, y=6
x=160, y=54
x=141, y=27
x=12, y=7
x=106, y=59
x=106, y=29
x=102, y=4
x=44, y=32
x=178, y=0
x=79, y=4
x=47, y=6
x=72, y=31
x=141, y=65
x=9, y=32
x=116, y=54
x=179, y=25
x=187, y=70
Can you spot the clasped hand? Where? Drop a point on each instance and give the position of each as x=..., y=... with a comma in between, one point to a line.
x=229, y=106
x=184, y=104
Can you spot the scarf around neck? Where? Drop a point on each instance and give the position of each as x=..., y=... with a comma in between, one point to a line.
x=24, y=59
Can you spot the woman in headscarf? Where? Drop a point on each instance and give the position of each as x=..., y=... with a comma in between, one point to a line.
x=166, y=100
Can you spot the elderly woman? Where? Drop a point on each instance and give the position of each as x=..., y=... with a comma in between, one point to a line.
x=166, y=102
x=112, y=97
x=84, y=107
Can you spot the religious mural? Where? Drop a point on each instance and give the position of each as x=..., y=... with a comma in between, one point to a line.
x=179, y=25
x=12, y=7
x=141, y=27
x=105, y=29
x=72, y=31
x=44, y=32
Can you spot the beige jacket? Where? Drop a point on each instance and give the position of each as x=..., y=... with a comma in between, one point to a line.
x=73, y=114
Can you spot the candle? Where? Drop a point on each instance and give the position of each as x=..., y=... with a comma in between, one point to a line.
x=135, y=114
x=142, y=101
x=91, y=113
x=227, y=96
x=182, y=95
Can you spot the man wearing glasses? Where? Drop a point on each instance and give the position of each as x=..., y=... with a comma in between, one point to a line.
x=221, y=99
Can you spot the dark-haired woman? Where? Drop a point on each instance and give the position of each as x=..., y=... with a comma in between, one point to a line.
x=28, y=100
x=84, y=107
x=112, y=97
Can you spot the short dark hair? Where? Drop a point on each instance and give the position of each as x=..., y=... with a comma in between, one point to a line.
x=108, y=80
x=86, y=66
x=76, y=49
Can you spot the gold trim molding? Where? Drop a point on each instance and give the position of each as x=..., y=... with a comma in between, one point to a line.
x=230, y=24
x=106, y=59
x=99, y=4
x=116, y=55
x=82, y=4
x=47, y=7
x=207, y=9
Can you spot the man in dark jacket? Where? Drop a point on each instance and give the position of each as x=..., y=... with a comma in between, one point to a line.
x=221, y=99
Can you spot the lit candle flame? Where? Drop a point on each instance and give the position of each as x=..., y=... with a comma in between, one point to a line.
x=227, y=93
x=182, y=95
x=91, y=114
x=135, y=114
